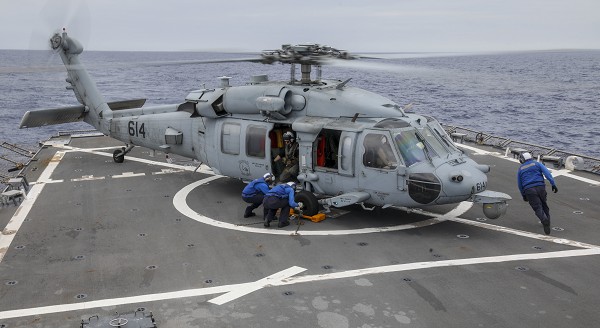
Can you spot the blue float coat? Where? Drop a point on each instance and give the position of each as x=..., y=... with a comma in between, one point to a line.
x=283, y=191
x=254, y=187
x=531, y=174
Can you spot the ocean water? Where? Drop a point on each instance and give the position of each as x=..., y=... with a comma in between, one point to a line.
x=549, y=98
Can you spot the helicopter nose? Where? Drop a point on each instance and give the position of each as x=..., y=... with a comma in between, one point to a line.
x=459, y=183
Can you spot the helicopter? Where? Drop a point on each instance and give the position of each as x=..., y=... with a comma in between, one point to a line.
x=354, y=146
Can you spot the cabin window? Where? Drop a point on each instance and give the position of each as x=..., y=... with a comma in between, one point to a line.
x=255, y=141
x=346, y=163
x=230, y=139
x=378, y=152
x=326, y=149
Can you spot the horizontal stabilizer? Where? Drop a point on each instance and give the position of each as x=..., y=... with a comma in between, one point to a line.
x=43, y=117
x=126, y=104
x=51, y=116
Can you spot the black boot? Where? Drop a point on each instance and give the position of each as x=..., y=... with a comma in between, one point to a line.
x=546, y=225
x=248, y=213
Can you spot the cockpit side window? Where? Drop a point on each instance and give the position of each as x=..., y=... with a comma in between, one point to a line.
x=411, y=149
x=378, y=152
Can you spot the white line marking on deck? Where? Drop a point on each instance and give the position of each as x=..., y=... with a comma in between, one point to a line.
x=88, y=178
x=246, y=289
x=555, y=173
x=439, y=264
x=231, y=293
x=521, y=233
x=180, y=203
x=128, y=175
x=13, y=226
x=285, y=278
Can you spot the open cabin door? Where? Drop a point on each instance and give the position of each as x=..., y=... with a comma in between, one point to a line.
x=333, y=153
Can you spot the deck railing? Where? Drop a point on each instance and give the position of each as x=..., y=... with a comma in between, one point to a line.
x=557, y=157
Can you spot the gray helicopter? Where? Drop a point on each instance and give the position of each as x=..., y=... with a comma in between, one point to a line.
x=354, y=146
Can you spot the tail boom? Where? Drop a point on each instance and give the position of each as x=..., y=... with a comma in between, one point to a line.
x=97, y=112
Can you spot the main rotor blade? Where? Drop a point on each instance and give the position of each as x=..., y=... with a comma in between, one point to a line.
x=377, y=66
x=193, y=62
x=59, y=68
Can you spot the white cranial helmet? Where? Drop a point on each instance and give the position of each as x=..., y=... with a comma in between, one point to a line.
x=524, y=157
x=288, y=136
x=268, y=176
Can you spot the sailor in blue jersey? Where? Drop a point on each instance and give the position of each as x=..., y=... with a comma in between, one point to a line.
x=254, y=193
x=280, y=197
x=532, y=186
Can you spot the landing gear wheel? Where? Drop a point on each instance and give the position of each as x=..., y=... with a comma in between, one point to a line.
x=118, y=156
x=311, y=204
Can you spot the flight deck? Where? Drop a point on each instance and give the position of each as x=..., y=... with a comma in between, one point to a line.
x=94, y=243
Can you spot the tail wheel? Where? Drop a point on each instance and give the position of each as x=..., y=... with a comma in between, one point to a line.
x=118, y=156
x=311, y=204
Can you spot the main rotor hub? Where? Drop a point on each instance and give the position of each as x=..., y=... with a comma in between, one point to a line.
x=304, y=54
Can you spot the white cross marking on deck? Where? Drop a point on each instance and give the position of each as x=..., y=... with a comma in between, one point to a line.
x=286, y=277
x=231, y=292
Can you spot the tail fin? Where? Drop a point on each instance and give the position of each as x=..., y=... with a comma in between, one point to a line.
x=96, y=111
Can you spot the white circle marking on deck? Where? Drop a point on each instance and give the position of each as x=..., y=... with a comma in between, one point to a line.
x=180, y=203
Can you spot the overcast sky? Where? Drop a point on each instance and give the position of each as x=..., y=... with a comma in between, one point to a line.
x=252, y=25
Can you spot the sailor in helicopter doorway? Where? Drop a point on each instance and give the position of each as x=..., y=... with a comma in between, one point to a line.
x=290, y=158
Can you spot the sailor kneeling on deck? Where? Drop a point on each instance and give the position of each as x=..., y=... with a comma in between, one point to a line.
x=254, y=194
x=280, y=197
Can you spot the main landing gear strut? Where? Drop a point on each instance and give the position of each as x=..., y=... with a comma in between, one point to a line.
x=119, y=154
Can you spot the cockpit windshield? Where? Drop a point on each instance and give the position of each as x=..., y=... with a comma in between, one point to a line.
x=433, y=140
x=437, y=129
x=411, y=148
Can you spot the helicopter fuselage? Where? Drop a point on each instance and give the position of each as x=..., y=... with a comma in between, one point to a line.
x=354, y=146
x=339, y=153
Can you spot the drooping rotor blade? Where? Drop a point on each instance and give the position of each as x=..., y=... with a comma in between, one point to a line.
x=60, y=68
x=31, y=69
x=408, y=55
x=193, y=62
x=372, y=65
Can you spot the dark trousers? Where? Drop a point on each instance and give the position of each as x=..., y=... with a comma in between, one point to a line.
x=536, y=196
x=272, y=203
x=254, y=201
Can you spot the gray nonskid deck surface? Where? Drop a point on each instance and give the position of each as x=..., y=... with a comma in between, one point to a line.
x=103, y=238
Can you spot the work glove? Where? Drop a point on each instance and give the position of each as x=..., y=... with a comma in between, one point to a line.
x=554, y=189
x=300, y=205
x=525, y=198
